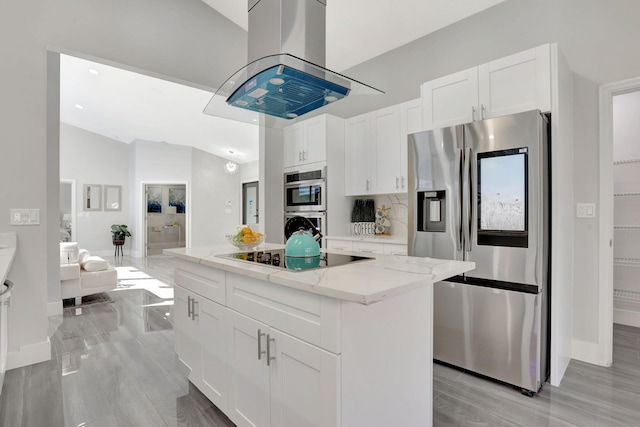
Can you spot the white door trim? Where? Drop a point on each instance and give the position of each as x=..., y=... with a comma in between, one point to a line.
x=605, y=305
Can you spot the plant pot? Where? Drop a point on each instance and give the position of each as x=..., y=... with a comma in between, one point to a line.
x=118, y=240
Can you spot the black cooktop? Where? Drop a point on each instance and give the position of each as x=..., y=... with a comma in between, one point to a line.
x=276, y=258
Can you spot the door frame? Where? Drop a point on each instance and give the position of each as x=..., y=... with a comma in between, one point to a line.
x=242, y=213
x=74, y=236
x=605, y=239
x=143, y=211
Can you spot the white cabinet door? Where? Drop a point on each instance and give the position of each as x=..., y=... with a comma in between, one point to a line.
x=186, y=333
x=387, y=165
x=450, y=100
x=304, y=383
x=315, y=142
x=213, y=335
x=249, y=401
x=293, y=143
x=358, y=155
x=342, y=245
x=516, y=83
x=410, y=122
x=395, y=249
x=368, y=247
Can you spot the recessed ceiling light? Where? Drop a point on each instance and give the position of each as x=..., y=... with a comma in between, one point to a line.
x=276, y=81
x=94, y=71
x=79, y=107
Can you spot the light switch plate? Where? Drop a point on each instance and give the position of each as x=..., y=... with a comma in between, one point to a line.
x=24, y=216
x=586, y=210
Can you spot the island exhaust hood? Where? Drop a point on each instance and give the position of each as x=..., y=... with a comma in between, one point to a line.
x=285, y=77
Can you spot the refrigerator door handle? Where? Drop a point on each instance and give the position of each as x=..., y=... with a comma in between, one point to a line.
x=466, y=199
x=460, y=196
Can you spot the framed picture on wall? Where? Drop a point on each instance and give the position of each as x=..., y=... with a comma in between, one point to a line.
x=154, y=199
x=177, y=197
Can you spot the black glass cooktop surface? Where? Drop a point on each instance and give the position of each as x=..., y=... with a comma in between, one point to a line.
x=276, y=258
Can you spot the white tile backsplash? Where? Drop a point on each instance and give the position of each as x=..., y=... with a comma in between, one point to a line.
x=397, y=213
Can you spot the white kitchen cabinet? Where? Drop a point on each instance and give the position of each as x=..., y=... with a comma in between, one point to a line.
x=386, y=140
x=450, y=100
x=279, y=380
x=341, y=245
x=368, y=247
x=376, y=149
x=516, y=83
x=250, y=391
x=359, y=154
x=305, y=383
x=394, y=249
x=306, y=142
x=201, y=343
x=509, y=85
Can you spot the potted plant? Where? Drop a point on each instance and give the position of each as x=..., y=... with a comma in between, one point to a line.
x=119, y=232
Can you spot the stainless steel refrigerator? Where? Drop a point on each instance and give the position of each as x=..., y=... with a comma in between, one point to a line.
x=480, y=192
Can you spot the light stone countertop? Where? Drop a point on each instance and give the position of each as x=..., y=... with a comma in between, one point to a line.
x=8, y=244
x=364, y=282
x=378, y=238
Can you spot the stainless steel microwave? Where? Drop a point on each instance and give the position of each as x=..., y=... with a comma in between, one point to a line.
x=305, y=191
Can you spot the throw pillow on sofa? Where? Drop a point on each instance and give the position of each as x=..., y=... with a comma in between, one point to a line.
x=94, y=263
x=83, y=254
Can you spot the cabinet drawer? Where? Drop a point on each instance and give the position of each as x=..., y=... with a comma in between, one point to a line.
x=395, y=249
x=342, y=245
x=309, y=317
x=369, y=247
x=205, y=281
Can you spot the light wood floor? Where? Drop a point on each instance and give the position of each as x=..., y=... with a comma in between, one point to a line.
x=113, y=364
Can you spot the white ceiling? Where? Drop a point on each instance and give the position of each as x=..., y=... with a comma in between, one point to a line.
x=358, y=30
x=127, y=106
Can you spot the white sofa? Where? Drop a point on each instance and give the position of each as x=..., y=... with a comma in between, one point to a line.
x=82, y=274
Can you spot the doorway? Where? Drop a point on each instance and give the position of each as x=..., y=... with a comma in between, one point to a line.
x=165, y=207
x=250, y=203
x=607, y=232
x=626, y=205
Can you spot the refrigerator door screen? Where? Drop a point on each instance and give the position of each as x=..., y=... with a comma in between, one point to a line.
x=502, y=198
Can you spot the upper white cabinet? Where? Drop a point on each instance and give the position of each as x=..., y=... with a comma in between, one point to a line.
x=386, y=140
x=450, y=100
x=513, y=84
x=306, y=142
x=358, y=155
x=376, y=149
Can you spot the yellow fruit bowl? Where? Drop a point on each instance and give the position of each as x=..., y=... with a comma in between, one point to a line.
x=245, y=242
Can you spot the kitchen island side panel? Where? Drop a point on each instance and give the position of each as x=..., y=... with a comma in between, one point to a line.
x=387, y=361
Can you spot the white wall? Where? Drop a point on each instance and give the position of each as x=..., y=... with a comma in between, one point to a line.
x=215, y=200
x=250, y=171
x=160, y=37
x=89, y=158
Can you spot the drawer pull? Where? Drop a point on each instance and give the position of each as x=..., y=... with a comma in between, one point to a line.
x=189, y=309
x=269, y=356
x=260, y=350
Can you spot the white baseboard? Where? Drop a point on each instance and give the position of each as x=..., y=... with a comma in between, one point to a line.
x=54, y=308
x=587, y=352
x=29, y=354
x=626, y=317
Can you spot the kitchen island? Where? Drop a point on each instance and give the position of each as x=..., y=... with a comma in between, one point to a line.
x=349, y=345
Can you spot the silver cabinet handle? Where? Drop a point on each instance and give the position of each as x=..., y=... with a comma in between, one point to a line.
x=269, y=356
x=397, y=180
x=193, y=309
x=189, y=309
x=473, y=113
x=482, y=111
x=398, y=253
x=300, y=155
x=367, y=251
x=304, y=155
x=468, y=198
x=260, y=350
x=367, y=187
x=402, y=181
x=461, y=178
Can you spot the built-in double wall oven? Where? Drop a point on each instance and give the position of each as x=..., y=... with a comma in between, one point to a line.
x=305, y=195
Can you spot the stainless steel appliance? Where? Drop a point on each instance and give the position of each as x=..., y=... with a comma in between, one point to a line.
x=480, y=192
x=318, y=219
x=305, y=190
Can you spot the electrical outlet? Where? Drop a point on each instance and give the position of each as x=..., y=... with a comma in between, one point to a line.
x=586, y=210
